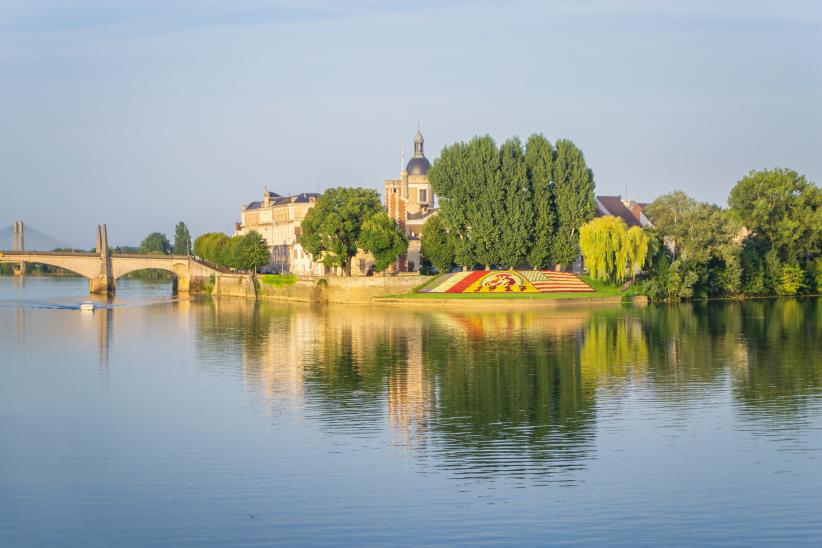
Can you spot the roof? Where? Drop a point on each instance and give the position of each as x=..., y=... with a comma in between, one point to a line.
x=612, y=205
x=277, y=200
x=418, y=165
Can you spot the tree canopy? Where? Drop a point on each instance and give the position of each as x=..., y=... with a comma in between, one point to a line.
x=182, y=239
x=611, y=250
x=539, y=161
x=383, y=238
x=247, y=252
x=509, y=206
x=331, y=229
x=782, y=207
x=155, y=243
x=436, y=245
x=574, y=197
x=211, y=246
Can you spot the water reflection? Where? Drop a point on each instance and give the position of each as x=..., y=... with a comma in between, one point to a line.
x=515, y=393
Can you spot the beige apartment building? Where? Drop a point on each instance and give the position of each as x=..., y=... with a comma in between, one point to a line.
x=279, y=220
x=409, y=200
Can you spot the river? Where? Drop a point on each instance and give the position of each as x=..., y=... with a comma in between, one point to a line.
x=166, y=422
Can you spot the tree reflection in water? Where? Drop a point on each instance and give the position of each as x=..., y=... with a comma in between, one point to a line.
x=514, y=393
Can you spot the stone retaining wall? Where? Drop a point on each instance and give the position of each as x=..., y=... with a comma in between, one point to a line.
x=234, y=285
x=353, y=290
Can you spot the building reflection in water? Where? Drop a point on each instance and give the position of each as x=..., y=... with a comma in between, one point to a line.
x=512, y=392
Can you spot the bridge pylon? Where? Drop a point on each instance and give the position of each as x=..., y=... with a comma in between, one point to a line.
x=103, y=283
x=19, y=244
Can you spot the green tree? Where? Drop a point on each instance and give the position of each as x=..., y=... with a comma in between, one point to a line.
x=486, y=210
x=539, y=160
x=331, y=229
x=635, y=243
x=668, y=213
x=247, y=252
x=182, y=239
x=517, y=222
x=155, y=243
x=707, y=259
x=791, y=280
x=574, y=196
x=383, y=238
x=212, y=247
x=452, y=184
x=782, y=207
x=436, y=244
x=601, y=243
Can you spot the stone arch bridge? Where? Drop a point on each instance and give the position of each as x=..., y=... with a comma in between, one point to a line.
x=103, y=268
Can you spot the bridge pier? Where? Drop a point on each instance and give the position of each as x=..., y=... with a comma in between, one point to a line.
x=103, y=283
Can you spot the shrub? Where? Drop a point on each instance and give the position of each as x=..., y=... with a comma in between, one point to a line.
x=791, y=280
x=279, y=280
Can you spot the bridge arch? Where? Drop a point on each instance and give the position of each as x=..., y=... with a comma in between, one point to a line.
x=179, y=269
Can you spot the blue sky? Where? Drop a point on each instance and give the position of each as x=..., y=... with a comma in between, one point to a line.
x=141, y=114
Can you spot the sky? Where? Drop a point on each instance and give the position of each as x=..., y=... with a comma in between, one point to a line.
x=142, y=114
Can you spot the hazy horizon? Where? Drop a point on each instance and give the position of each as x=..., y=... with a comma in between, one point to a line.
x=140, y=115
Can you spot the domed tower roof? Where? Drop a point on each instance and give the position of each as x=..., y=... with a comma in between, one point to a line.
x=419, y=164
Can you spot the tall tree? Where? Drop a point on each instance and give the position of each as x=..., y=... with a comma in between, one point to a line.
x=331, y=229
x=539, y=160
x=182, y=239
x=383, y=238
x=783, y=207
x=517, y=222
x=155, y=243
x=487, y=191
x=574, y=192
x=451, y=183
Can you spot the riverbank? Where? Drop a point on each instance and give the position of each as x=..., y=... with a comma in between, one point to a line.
x=402, y=290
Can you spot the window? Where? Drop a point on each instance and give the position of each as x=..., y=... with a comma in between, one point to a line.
x=423, y=195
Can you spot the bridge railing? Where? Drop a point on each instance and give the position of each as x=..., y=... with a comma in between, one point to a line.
x=49, y=253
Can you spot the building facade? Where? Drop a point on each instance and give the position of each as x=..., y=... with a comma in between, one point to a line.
x=409, y=200
x=279, y=220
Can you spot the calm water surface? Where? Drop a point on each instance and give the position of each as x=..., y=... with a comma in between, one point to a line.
x=159, y=422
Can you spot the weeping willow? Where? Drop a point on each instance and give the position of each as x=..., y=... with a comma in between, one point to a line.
x=601, y=244
x=611, y=250
x=635, y=244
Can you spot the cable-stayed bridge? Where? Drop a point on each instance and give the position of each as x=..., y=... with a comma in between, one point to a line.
x=20, y=244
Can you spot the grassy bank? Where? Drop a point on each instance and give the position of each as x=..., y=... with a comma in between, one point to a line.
x=279, y=280
x=601, y=289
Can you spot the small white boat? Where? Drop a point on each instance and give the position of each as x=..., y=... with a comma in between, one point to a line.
x=87, y=305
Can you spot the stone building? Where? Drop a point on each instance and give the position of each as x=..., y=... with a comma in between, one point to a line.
x=278, y=219
x=409, y=200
